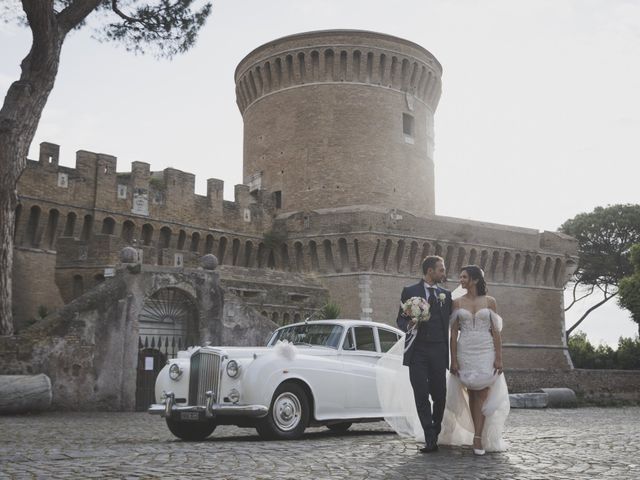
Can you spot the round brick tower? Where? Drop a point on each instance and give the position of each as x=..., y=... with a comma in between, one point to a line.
x=340, y=118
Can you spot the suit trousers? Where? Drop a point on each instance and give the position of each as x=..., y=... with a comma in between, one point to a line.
x=428, y=373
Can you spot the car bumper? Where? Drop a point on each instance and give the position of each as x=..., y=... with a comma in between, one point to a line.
x=170, y=410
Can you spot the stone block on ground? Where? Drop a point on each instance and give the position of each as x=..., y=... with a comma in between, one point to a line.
x=560, y=397
x=528, y=400
x=24, y=393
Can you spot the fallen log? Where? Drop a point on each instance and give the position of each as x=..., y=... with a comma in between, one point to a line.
x=24, y=393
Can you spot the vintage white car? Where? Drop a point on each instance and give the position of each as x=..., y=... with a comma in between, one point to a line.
x=309, y=374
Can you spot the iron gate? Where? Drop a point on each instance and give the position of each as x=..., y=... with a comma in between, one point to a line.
x=167, y=324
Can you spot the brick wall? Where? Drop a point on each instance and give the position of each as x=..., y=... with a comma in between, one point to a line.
x=35, y=269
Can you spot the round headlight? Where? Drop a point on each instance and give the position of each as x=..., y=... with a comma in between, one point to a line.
x=234, y=395
x=233, y=368
x=175, y=371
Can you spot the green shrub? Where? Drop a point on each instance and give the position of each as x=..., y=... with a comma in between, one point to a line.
x=628, y=354
x=329, y=311
x=629, y=288
x=585, y=355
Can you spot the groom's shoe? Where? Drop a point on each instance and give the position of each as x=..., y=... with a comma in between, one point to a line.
x=429, y=447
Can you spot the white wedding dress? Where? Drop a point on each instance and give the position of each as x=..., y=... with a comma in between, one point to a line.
x=476, y=355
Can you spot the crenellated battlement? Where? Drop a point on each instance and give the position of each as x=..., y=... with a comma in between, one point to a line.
x=95, y=184
x=101, y=167
x=339, y=56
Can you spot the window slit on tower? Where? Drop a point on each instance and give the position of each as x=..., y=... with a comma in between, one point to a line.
x=408, y=127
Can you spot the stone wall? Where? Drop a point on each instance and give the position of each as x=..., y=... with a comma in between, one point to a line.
x=283, y=297
x=243, y=325
x=591, y=386
x=89, y=348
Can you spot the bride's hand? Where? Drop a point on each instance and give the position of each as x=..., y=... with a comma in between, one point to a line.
x=454, y=368
x=497, y=365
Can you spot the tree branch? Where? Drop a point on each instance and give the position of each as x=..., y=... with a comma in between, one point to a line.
x=154, y=26
x=599, y=304
x=576, y=300
x=121, y=14
x=76, y=13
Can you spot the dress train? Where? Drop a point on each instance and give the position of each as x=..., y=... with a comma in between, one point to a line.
x=396, y=399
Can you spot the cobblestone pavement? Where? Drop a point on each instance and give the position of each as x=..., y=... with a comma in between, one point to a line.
x=545, y=444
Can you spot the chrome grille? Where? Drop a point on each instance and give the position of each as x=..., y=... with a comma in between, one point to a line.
x=204, y=376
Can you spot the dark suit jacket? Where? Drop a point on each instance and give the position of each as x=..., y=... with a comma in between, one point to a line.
x=440, y=314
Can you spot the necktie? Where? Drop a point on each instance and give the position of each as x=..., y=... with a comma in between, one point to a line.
x=432, y=296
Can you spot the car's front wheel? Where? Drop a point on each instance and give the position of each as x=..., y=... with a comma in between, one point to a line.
x=191, y=431
x=288, y=414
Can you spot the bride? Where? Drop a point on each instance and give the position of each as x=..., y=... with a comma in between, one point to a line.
x=477, y=403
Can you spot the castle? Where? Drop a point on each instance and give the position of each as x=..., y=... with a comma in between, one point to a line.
x=337, y=202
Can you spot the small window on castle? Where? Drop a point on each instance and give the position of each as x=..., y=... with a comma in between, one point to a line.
x=122, y=192
x=247, y=215
x=407, y=125
x=277, y=198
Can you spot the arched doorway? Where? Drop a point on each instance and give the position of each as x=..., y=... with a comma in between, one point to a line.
x=168, y=323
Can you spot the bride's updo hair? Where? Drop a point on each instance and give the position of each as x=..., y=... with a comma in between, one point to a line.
x=476, y=273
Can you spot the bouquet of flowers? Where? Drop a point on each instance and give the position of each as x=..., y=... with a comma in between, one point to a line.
x=416, y=308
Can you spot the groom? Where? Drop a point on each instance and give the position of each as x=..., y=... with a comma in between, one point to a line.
x=428, y=355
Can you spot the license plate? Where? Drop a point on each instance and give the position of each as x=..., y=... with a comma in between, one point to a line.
x=189, y=416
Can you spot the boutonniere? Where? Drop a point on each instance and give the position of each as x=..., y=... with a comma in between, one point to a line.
x=441, y=298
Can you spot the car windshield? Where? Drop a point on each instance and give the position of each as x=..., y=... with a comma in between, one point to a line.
x=312, y=334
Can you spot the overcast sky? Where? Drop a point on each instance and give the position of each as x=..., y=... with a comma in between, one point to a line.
x=538, y=120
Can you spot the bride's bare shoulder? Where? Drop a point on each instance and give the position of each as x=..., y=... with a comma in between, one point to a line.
x=491, y=302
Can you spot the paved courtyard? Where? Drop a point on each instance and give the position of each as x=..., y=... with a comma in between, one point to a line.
x=545, y=444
